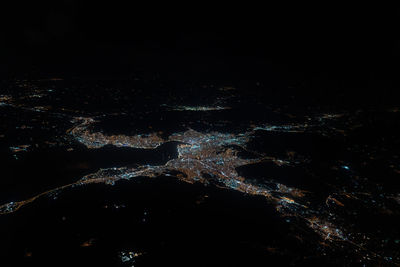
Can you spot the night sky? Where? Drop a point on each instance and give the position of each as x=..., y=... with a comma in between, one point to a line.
x=338, y=47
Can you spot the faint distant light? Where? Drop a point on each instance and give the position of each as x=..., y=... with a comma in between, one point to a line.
x=346, y=167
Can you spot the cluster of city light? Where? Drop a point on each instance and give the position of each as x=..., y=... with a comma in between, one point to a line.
x=203, y=157
x=209, y=158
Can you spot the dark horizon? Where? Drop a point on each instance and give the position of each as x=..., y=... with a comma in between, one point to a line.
x=342, y=44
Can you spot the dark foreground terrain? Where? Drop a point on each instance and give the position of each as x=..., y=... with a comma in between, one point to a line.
x=141, y=170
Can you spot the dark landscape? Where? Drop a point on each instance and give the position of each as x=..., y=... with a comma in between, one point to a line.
x=133, y=138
